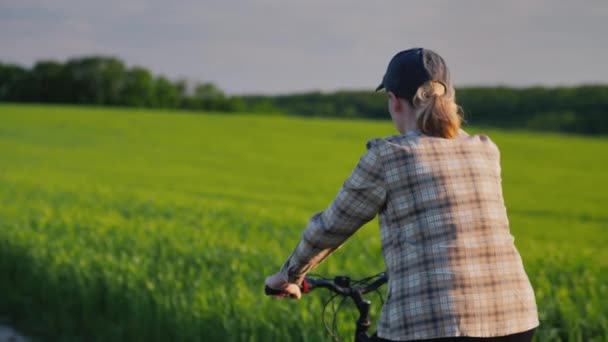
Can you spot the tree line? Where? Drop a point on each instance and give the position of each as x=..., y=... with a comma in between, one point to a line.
x=101, y=80
x=581, y=109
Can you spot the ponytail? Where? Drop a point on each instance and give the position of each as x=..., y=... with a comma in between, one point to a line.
x=437, y=113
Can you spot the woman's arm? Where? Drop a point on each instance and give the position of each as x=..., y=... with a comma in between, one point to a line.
x=361, y=197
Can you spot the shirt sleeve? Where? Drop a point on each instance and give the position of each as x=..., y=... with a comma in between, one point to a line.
x=361, y=197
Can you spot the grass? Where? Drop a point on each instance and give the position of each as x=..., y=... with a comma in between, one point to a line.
x=153, y=226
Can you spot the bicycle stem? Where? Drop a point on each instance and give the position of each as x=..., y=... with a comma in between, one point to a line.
x=363, y=306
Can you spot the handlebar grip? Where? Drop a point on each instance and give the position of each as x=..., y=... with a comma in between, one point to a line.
x=305, y=287
x=272, y=292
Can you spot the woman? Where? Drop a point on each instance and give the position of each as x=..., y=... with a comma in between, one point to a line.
x=454, y=271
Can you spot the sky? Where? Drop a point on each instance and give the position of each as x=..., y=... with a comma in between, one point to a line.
x=283, y=46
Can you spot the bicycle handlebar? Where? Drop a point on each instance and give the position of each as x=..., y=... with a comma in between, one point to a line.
x=345, y=287
x=340, y=285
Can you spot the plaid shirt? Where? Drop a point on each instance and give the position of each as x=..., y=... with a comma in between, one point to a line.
x=452, y=264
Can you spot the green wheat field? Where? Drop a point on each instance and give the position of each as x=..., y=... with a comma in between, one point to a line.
x=136, y=225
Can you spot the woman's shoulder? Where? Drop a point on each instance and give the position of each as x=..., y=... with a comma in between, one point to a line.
x=414, y=139
x=480, y=138
x=397, y=138
x=381, y=145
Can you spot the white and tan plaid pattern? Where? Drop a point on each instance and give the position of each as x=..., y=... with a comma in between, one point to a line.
x=453, y=268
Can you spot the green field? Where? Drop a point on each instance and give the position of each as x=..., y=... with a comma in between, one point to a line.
x=161, y=226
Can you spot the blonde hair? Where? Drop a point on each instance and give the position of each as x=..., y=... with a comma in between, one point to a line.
x=437, y=113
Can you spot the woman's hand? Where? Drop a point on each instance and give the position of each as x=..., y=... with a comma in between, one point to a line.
x=278, y=282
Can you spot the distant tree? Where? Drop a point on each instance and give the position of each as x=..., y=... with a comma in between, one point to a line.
x=181, y=87
x=113, y=74
x=167, y=95
x=235, y=104
x=92, y=80
x=13, y=78
x=47, y=83
x=208, y=96
x=138, y=88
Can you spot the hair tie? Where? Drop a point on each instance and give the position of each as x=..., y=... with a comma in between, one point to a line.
x=435, y=90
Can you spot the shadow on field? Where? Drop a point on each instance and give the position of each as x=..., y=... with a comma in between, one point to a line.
x=63, y=306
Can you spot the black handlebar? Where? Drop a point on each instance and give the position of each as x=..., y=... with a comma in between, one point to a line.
x=340, y=285
x=272, y=292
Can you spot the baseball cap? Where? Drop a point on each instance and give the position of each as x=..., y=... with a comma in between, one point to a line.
x=409, y=69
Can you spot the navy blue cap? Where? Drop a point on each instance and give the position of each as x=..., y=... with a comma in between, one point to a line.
x=409, y=69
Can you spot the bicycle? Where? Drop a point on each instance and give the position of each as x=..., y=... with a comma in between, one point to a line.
x=345, y=287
